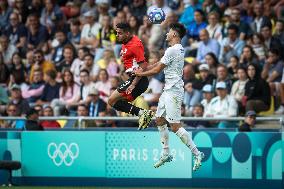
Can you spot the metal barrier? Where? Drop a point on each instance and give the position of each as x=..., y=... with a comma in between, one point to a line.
x=117, y=118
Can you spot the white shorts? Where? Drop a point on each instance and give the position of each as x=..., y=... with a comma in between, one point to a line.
x=169, y=105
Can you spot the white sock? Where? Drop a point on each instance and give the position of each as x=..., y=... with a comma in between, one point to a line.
x=140, y=112
x=184, y=136
x=164, y=136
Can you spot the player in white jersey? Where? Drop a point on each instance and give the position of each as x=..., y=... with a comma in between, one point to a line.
x=169, y=107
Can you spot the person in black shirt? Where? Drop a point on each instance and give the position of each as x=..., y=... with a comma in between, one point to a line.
x=32, y=123
x=249, y=121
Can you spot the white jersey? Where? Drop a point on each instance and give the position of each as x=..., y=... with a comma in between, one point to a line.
x=174, y=61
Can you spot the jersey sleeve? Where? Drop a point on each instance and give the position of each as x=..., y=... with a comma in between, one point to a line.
x=168, y=57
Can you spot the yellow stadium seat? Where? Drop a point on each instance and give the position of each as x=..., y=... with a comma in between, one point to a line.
x=189, y=59
x=271, y=109
x=62, y=123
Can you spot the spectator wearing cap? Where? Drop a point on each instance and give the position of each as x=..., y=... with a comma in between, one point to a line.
x=90, y=30
x=96, y=105
x=205, y=76
x=257, y=92
x=32, y=123
x=222, y=106
x=249, y=121
x=231, y=45
x=192, y=97
x=206, y=46
x=238, y=88
x=17, y=99
x=208, y=94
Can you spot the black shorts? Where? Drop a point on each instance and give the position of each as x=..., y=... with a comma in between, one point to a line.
x=140, y=88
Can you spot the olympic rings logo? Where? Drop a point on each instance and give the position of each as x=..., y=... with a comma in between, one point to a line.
x=63, y=153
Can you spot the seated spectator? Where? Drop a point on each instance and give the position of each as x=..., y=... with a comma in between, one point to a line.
x=4, y=72
x=40, y=63
x=51, y=88
x=270, y=41
x=144, y=31
x=279, y=31
x=68, y=94
x=205, y=76
x=244, y=29
x=6, y=10
x=109, y=63
x=74, y=35
x=272, y=71
x=18, y=71
x=92, y=68
x=78, y=63
x=189, y=74
x=222, y=106
x=222, y=75
x=248, y=56
x=212, y=61
x=32, y=122
x=249, y=121
x=238, y=88
x=68, y=58
x=86, y=86
x=7, y=50
x=198, y=111
x=214, y=27
x=208, y=94
x=259, y=47
x=233, y=67
x=82, y=111
x=103, y=85
x=17, y=99
x=39, y=109
x=259, y=18
x=187, y=15
x=257, y=93
x=231, y=45
x=13, y=112
x=48, y=112
x=192, y=97
x=4, y=99
x=206, y=46
x=35, y=90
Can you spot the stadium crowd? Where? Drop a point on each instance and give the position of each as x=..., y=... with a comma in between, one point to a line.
x=62, y=58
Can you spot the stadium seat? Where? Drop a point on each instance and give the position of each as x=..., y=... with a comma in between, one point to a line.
x=9, y=166
x=271, y=109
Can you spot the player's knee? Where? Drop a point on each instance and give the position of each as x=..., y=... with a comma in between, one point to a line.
x=175, y=127
x=111, y=101
x=160, y=121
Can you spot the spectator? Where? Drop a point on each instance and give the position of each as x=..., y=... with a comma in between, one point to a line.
x=138, y=9
x=35, y=90
x=39, y=109
x=78, y=63
x=74, y=36
x=17, y=33
x=210, y=6
x=82, y=111
x=192, y=97
x=35, y=7
x=21, y=8
x=244, y=29
x=279, y=31
x=134, y=24
x=198, y=111
x=223, y=105
x=258, y=46
x=248, y=56
x=86, y=86
x=32, y=123
x=222, y=75
x=62, y=41
x=144, y=31
x=48, y=112
x=37, y=33
x=92, y=67
x=40, y=63
x=68, y=58
x=18, y=71
x=4, y=99
x=233, y=67
x=6, y=10
x=17, y=99
x=7, y=49
x=205, y=76
x=231, y=45
x=187, y=15
x=269, y=40
x=212, y=61
x=4, y=72
x=109, y=63
x=208, y=94
x=259, y=18
x=257, y=92
x=206, y=46
x=68, y=94
x=51, y=88
x=103, y=85
x=88, y=6
x=214, y=27
x=90, y=30
x=238, y=88
x=189, y=74
x=249, y=122
x=12, y=111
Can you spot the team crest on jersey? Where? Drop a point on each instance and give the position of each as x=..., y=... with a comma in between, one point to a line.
x=123, y=52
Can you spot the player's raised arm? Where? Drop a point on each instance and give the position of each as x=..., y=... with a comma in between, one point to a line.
x=158, y=67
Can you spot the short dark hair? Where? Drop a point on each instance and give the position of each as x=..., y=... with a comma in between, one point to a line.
x=51, y=73
x=274, y=51
x=179, y=28
x=124, y=26
x=85, y=70
x=233, y=27
x=90, y=55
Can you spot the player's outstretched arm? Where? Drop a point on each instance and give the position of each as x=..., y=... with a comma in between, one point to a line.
x=156, y=69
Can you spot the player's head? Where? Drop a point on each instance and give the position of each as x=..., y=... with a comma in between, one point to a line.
x=177, y=31
x=123, y=32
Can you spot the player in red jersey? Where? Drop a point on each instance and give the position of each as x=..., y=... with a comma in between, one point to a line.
x=132, y=56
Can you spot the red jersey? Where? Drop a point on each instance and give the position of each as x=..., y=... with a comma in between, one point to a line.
x=132, y=52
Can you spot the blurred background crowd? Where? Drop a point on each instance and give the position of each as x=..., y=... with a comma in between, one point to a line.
x=61, y=57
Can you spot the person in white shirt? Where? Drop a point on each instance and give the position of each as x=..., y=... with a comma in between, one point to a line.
x=222, y=106
x=208, y=94
x=169, y=107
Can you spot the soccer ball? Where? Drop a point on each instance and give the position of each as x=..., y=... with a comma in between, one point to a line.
x=156, y=15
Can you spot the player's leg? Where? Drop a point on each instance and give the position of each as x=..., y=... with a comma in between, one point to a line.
x=173, y=116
